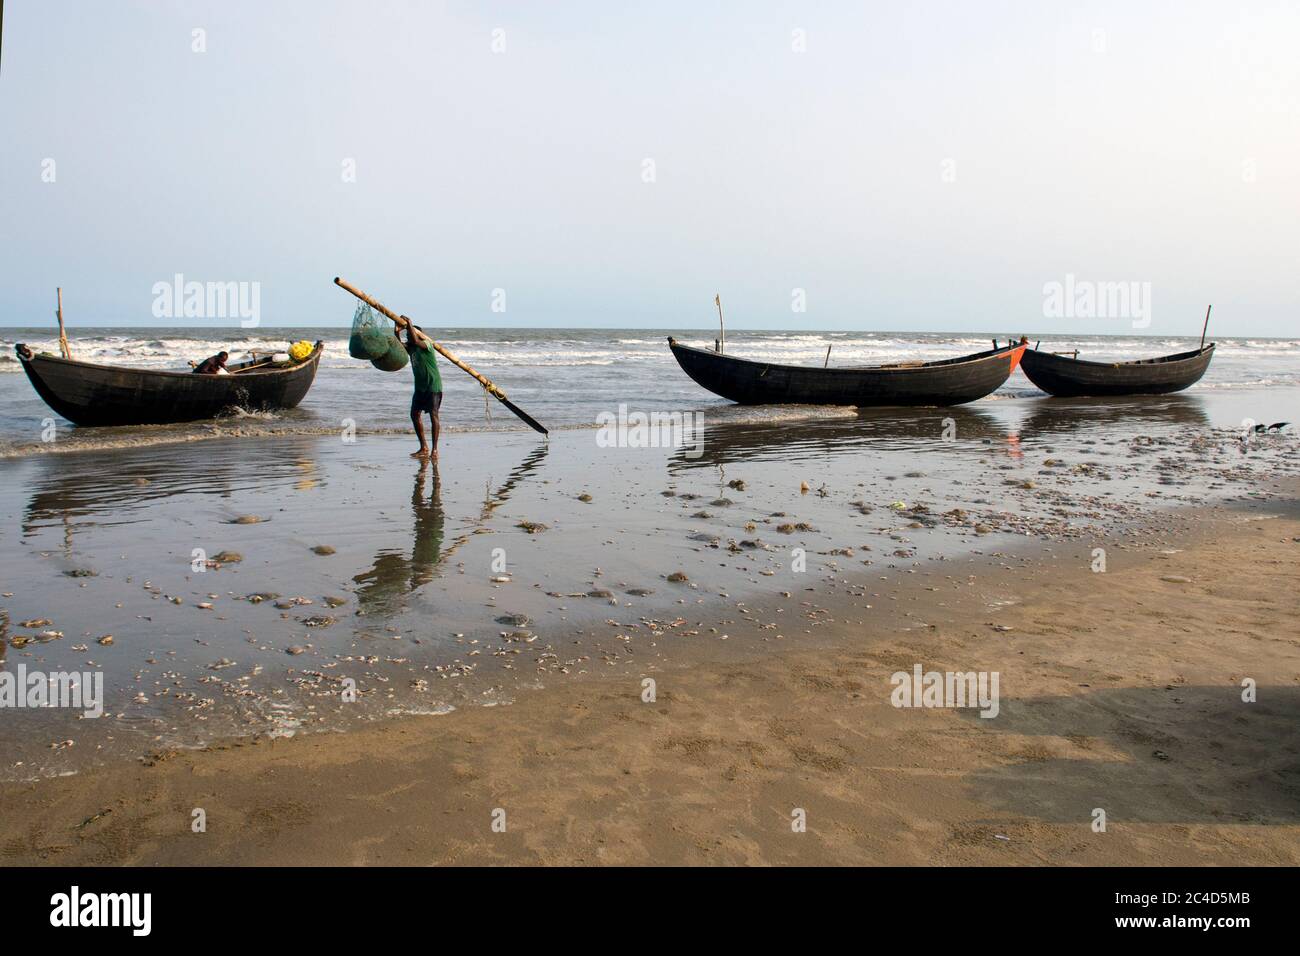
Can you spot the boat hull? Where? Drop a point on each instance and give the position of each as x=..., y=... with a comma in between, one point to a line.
x=949, y=382
x=1076, y=378
x=88, y=394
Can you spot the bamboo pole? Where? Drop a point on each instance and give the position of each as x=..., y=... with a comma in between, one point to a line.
x=826, y=364
x=402, y=321
x=64, y=350
x=1206, y=327
x=722, y=347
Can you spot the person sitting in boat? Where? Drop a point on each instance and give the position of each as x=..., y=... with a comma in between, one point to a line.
x=428, y=388
x=213, y=365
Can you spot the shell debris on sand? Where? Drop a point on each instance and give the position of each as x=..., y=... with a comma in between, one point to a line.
x=515, y=620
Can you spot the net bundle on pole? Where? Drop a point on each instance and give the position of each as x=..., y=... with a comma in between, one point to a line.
x=373, y=339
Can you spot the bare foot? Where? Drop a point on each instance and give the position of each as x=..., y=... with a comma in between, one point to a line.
x=422, y=453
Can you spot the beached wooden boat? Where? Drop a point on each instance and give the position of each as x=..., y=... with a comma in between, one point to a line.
x=90, y=394
x=945, y=382
x=1070, y=376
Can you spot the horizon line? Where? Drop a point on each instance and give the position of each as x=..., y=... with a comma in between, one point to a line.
x=604, y=328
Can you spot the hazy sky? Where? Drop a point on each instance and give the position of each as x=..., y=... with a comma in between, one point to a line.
x=925, y=166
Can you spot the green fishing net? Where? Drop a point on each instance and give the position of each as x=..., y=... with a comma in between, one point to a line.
x=394, y=360
x=373, y=339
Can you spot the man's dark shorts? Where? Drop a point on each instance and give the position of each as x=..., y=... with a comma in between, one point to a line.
x=426, y=402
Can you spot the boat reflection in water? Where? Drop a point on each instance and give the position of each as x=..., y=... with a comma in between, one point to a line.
x=868, y=431
x=1131, y=415
x=107, y=488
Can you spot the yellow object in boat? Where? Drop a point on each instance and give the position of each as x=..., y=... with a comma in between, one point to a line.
x=300, y=350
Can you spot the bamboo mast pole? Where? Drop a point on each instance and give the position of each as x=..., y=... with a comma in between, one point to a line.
x=64, y=350
x=722, y=343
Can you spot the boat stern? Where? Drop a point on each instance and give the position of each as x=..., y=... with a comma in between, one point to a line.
x=1017, y=353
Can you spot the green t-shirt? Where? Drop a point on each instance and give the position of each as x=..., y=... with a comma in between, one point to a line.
x=424, y=363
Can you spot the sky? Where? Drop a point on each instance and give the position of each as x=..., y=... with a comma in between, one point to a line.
x=935, y=166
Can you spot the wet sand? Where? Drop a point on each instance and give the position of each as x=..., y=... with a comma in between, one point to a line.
x=1119, y=690
x=246, y=584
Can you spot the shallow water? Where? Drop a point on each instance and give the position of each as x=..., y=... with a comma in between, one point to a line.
x=102, y=542
x=564, y=377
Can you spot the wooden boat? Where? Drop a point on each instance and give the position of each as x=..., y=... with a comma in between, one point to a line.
x=946, y=382
x=1074, y=377
x=90, y=394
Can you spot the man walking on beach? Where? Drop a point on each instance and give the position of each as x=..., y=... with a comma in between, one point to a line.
x=428, y=388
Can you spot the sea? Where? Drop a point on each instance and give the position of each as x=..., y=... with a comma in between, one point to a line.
x=565, y=378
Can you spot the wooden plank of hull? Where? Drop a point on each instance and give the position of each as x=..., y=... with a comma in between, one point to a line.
x=1076, y=378
x=948, y=382
x=89, y=394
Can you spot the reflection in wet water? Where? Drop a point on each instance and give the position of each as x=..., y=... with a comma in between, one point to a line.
x=950, y=430
x=115, y=488
x=383, y=587
x=531, y=463
x=881, y=429
x=393, y=575
x=1134, y=414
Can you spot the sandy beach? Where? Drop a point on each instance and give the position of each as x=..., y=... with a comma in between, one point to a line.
x=316, y=650
x=241, y=587
x=1120, y=691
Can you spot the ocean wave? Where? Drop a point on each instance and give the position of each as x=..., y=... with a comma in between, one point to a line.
x=244, y=414
x=1252, y=383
